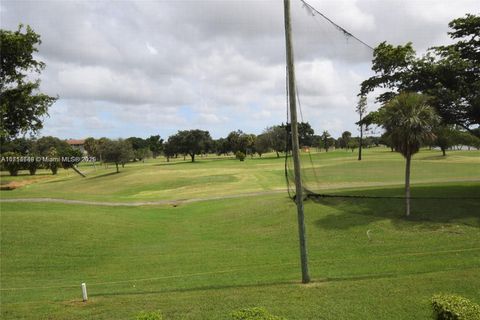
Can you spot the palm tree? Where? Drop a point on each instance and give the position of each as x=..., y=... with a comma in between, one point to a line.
x=409, y=121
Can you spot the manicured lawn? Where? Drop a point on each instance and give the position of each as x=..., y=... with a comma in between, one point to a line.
x=159, y=180
x=202, y=260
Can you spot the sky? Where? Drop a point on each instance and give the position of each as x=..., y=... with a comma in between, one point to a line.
x=140, y=68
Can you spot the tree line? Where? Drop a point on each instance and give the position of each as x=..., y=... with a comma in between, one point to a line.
x=192, y=143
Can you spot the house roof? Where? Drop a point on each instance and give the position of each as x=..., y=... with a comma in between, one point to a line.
x=75, y=141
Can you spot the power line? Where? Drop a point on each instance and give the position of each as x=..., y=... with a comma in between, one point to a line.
x=311, y=10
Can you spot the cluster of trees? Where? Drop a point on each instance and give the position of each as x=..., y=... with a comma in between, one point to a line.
x=426, y=99
x=46, y=153
x=448, y=75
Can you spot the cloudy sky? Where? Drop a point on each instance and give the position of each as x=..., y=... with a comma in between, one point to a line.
x=137, y=68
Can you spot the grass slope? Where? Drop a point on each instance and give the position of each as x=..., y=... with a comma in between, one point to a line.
x=202, y=260
x=159, y=180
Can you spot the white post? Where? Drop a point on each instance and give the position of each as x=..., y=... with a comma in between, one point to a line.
x=84, y=292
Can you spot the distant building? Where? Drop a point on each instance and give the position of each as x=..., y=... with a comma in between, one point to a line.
x=78, y=144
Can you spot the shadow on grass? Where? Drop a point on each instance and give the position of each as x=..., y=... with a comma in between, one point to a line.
x=313, y=283
x=450, y=207
x=104, y=175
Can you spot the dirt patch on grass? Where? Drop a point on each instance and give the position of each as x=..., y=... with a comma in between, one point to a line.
x=12, y=185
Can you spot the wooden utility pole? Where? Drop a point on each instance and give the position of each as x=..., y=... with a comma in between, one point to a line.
x=295, y=144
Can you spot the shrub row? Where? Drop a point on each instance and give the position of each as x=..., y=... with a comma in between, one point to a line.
x=454, y=307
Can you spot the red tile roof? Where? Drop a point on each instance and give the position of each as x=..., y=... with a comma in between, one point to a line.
x=75, y=141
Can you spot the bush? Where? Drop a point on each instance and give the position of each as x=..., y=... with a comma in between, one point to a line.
x=153, y=315
x=254, y=314
x=240, y=155
x=453, y=307
x=11, y=162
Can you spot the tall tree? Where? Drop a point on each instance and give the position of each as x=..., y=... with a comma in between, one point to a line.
x=278, y=138
x=305, y=134
x=262, y=144
x=116, y=151
x=346, y=136
x=193, y=142
x=444, y=137
x=361, y=110
x=326, y=140
x=410, y=122
x=155, y=143
x=449, y=74
x=22, y=106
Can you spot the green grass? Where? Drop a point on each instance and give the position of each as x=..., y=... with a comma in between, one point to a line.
x=159, y=180
x=203, y=260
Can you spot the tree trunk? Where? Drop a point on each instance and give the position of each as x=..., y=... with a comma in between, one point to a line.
x=116, y=163
x=192, y=155
x=443, y=152
x=407, y=186
x=278, y=155
x=78, y=171
x=361, y=142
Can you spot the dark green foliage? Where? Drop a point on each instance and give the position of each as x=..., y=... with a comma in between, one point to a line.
x=116, y=151
x=91, y=146
x=22, y=107
x=240, y=141
x=262, y=144
x=449, y=74
x=444, y=137
x=410, y=122
x=221, y=146
x=277, y=136
x=45, y=144
x=326, y=140
x=53, y=160
x=256, y=313
x=191, y=142
x=142, y=154
x=153, y=315
x=240, y=155
x=454, y=307
x=10, y=162
x=155, y=143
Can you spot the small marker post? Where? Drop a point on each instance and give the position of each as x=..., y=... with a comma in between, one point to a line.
x=84, y=292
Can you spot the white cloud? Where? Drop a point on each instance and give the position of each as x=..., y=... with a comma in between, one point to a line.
x=146, y=67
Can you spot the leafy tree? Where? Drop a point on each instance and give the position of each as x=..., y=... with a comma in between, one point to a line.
x=11, y=163
x=467, y=139
x=91, y=146
x=138, y=143
x=444, y=137
x=241, y=141
x=142, y=154
x=22, y=106
x=155, y=143
x=449, y=74
x=361, y=109
x=45, y=144
x=169, y=149
x=278, y=138
x=410, y=121
x=193, y=142
x=346, y=136
x=53, y=163
x=305, y=134
x=221, y=146
x=116, y=151
x=262, y=144
x=386, y=140
x=326, y=140
x=353, y=144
